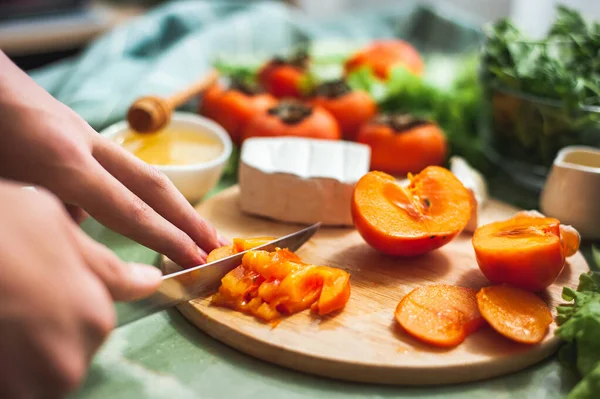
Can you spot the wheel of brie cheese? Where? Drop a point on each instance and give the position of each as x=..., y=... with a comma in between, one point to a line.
x=301, y=180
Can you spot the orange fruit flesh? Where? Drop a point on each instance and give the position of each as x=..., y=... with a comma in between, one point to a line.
x=524, y=251
x=571, y=239
x=517, y=314
x=244, y=244
x=440, y=315
x=569, y=236
x=271, y=284
x=220, y=253
x=519, y=233
x=434, y=208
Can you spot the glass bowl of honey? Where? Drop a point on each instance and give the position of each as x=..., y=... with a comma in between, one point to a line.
x=192, y=151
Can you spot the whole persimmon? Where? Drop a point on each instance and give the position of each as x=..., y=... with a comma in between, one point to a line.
x=526, y=251
x=293, y=118
x=232, y=107
x=410, y=220
x=282, y=77
x=402, y=144
x=385, y=54
x=350, y=108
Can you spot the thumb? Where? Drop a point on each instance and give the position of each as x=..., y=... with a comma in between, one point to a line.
x=124, y=281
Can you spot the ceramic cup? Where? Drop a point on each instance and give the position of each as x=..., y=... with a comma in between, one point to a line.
x=571, y=193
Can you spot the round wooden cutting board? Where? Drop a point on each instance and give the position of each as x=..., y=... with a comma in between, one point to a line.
x=363, y=342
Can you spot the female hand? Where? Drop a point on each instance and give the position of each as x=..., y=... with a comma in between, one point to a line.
x=45, y=143
x=56, y=291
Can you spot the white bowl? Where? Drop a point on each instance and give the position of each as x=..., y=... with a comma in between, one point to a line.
x=194, y=180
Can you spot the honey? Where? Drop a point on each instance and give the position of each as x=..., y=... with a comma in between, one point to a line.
x=172, y=146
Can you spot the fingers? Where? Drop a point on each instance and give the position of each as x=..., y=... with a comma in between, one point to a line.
x=124, y=281
x=113, y=205
x=77, y=214
x=156, y=190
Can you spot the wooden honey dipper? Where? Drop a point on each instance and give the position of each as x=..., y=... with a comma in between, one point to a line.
x=151, y=113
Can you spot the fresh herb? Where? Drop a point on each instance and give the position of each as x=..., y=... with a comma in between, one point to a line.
x=579, y=323
x=564, y=66
x=540, y=91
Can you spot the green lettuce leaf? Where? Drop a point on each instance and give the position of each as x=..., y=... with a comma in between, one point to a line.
x=579, y=323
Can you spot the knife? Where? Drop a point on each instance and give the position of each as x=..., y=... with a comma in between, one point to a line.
x=191, y=283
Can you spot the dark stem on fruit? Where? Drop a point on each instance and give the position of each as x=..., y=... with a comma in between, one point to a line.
x=333, y=89
x=291, y=112
x=246, y=87
x=401, y=122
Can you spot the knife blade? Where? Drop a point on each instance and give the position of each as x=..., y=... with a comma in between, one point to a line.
x=191, y=283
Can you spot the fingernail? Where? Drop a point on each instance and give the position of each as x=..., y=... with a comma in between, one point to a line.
x=145, y=274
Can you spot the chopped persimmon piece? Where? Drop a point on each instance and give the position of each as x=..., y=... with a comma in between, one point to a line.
x=271, y=284
x=412, y=220
x=524, y=251
x=244, y=244
x=239, y=245
x=335, y=293
x=517, y=314
x=440, y=315
x=220, y=253
x=570, y=239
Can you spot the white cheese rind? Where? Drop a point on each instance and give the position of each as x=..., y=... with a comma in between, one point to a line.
x=300, y=180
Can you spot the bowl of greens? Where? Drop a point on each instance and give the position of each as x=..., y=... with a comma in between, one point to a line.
x=539, y=95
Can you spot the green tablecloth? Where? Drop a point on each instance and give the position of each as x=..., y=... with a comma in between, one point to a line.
x=164, y=356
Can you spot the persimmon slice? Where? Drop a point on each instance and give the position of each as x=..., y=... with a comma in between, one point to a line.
x=412, y=220
x=244, y=244
x=271, y=284
x=517, y=314
x=440, y=315
x=220, y=253
x=239, y=245
x=524, y=251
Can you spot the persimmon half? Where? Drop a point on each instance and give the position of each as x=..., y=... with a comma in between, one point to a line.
x=269, y=285
x=282, y=77
x=410, y=220
x=525, y=251
x=441, y=315
x=350, y=108
x=385, y=54
x=232, y=107
x=293, y=118
x=402, y=144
